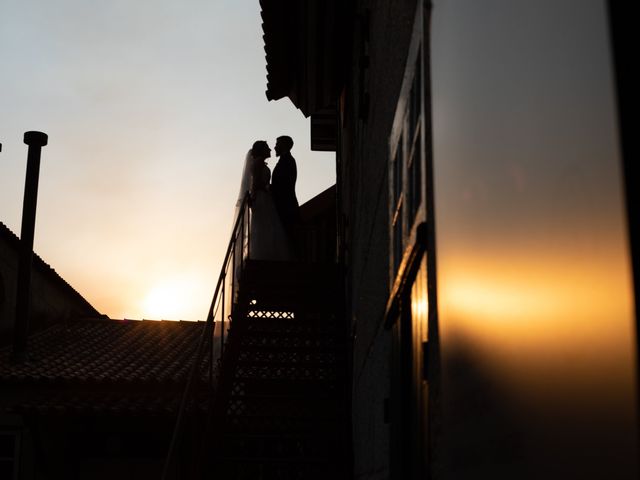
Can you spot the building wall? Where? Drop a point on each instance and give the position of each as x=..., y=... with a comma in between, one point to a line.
x=369, y=103
x=537, y=352
x=317, y=238
x=52, y=299
x=98, y=447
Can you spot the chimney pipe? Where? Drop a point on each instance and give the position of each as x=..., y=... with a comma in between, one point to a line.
x=35, y=141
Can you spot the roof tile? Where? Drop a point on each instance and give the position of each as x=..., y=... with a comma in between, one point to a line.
x=108, y=365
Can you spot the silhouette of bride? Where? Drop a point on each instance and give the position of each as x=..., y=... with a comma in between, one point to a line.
x=268, y=240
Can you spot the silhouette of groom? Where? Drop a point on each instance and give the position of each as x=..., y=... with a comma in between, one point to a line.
x=283, y=185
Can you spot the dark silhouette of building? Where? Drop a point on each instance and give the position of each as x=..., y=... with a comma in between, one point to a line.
x=97, y=399
x=486, y=246
x=53, y=299
x=475, y=316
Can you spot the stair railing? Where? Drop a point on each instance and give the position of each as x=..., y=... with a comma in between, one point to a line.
x=218, y=320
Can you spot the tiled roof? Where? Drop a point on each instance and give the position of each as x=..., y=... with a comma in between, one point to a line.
x=100, y=364
x=45, y=268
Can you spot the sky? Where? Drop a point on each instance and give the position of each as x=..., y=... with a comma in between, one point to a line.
x=150, y=108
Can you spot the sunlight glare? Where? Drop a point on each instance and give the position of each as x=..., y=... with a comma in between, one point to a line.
x=170, y=298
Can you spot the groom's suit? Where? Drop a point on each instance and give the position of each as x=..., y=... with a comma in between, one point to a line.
x=283, y=190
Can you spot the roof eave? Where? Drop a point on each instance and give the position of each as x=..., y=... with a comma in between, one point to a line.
x=303, y=42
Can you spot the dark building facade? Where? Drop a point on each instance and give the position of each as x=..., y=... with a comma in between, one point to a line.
x=484, y=229
x=98, y=399
x=486, y=245
x=95, y=398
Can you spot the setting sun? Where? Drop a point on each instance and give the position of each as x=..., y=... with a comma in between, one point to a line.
x=169, y=299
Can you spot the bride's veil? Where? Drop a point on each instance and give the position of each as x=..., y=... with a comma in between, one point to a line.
x=239, y=249
x=245, y=184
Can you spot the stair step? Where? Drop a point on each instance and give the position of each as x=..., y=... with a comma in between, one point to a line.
x=267, y=327
x=290, y=341
x=272, y=425
x=302, y=349
x=287, y=340
x=302, y=397
x=297, y=423
x=275, y=460
x=329, y=445
x=286, y=373
x=301, y=306
x=257, y=362
x=282, y=408
x=290, y=416
x=297, y=332
x=284, y=388
x=276, y=436
x=286, y=313
x=293, y=396
x=277, y=448
x=281, y=469
x=295, y=351
x=281, y=444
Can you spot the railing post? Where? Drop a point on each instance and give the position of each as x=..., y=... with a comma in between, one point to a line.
x=233, y=277
x=241, y=238
x=238, y=233
x=223, y=312
x=245, y=236
x=212, y=334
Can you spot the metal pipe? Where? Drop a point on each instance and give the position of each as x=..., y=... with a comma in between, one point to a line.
x=35, y=141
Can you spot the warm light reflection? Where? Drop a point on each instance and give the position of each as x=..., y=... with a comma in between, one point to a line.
x=502, y=291
x=419, y=305
x=541, y=314
x=536, y=323
x=156, y=198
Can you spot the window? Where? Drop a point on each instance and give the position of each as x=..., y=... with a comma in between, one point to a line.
x=397, y=220
x=407, y=157
x=415, y=158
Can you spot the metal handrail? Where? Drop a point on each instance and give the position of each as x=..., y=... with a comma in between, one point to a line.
x=240, y=237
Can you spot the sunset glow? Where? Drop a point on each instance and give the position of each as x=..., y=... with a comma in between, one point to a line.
x=150, y=108
x=171, y=299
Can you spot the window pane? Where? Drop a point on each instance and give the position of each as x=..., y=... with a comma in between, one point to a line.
x=397, y=175
x=415, y=184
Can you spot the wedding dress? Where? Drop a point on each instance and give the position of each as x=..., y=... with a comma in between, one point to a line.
x=267, y=237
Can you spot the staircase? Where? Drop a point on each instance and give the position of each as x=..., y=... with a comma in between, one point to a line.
x=281, y=409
